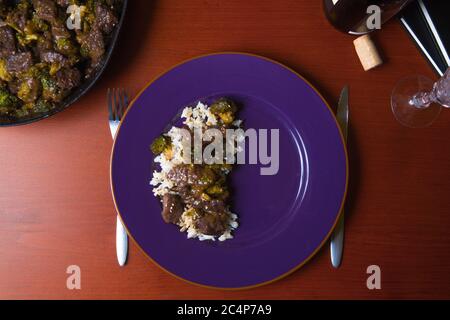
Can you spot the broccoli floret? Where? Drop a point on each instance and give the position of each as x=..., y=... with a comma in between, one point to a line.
x=42, y=106
x=4, y=74
x=50, y=89
x=87, y=14
x=24, y=91
x=67, y=47
x=160, y=144
x=54, y=68
x=223, y=105
x=29, y=90
x=23, y=5
x=31, y=29
x=25, y=39
x=37, y=24
x=224, y=109
x=215, y=190
x=206, y=177
x=7, y=101
x=36, y=71
x=218, y=191
x=22, y=9
x=31, y=32
x=84, y=52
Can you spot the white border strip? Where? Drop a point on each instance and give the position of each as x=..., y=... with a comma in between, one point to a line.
x=421, y=46
x=435, y=33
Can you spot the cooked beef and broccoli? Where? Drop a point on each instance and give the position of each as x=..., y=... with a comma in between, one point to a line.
x=196, y=196
x=41, y=59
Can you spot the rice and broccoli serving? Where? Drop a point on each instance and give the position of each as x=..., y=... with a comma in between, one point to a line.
x=195, y=195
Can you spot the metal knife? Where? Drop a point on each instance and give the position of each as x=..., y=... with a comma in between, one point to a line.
x=337, y=238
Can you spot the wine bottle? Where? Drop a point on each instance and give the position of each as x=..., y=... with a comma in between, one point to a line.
x=351, y=16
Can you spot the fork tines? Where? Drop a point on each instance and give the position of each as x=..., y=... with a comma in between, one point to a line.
x=117, y=103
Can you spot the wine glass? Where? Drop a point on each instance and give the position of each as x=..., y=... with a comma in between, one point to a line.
x=416, y=102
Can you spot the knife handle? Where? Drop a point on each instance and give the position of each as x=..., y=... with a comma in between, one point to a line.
x=337, y=242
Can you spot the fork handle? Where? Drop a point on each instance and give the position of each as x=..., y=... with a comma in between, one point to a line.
x=121, y=242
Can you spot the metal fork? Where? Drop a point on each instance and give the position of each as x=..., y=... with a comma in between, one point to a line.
x=117, y=104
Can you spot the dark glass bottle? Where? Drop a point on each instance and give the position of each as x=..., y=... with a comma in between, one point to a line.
x=350, y=16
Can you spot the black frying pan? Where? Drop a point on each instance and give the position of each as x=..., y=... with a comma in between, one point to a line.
x=81, y=90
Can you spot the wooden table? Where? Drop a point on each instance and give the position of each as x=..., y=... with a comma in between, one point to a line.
x=55, y=203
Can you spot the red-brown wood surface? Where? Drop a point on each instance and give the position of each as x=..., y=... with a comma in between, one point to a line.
x=56, y=207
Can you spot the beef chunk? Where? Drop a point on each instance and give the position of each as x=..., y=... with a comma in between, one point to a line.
x=44, y=43
x=18, y=17
x=7, y=42
x=92, y=44
x=212, y=206
x=68, y=78
x=105, y=19
x=181, y=175
x=59, y=30
x=54, y=57
x=19, y=62
x=45, y=9
x=213, y=224
x=172, y=208
x=13, y=86
x=196, y=175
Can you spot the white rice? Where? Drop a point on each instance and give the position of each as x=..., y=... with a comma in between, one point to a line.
x=197, y=117
x=187, y=224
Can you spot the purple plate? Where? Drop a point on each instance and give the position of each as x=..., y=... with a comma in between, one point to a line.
x=284, y=218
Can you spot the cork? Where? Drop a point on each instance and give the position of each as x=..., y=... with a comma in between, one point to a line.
x=367, y=52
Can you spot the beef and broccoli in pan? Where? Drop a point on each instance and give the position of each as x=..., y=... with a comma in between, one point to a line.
x=42, y=57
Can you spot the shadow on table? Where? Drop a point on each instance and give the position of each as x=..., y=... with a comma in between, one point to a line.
x=138, y=22
x=354, y=172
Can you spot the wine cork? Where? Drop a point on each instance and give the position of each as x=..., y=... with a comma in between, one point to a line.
x=367, y=52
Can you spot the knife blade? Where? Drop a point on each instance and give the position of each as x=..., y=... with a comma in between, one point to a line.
x=337, y=238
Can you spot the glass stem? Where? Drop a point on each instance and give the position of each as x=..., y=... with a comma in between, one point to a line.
x=423, y=99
